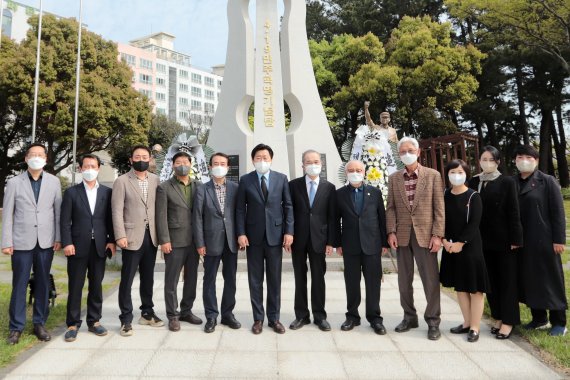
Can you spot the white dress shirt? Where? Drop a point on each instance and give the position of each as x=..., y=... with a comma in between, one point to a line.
x=308, y=182
x=91, y=195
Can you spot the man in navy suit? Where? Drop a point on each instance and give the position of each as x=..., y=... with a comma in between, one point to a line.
x=314, y=206
x=264, y=224
x=362, y=241
x=86, y=234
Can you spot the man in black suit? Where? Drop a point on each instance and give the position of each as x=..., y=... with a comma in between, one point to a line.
x=314, y=205
x=362, y=241
x=87, y=235
x=214, y=233
x=264, y=224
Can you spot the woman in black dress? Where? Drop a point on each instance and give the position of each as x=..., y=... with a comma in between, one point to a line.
x=462, y=262
x=501, y=231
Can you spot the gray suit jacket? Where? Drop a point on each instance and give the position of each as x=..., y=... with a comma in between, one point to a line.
x=212, y=228
x=25, y=222
x=130, y=211
x=173, y=214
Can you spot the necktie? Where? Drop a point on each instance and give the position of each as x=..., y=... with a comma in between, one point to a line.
x=264, y=188
x=312, y=192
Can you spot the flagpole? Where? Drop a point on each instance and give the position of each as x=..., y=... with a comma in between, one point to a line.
x=37, y=84
x=77, y=77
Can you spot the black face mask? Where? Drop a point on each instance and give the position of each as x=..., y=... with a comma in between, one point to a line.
x=140, y=166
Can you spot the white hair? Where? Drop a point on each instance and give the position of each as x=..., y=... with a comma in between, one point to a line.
x=308, y=152
x=407, y=139
x=351, y=161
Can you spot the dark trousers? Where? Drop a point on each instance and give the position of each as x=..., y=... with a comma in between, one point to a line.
x=371, y=267
x=429, y=273
x=180, y=257
x=77, y=267
x=271, y=257
x=229, y=268
x=557, y=317
x=503, y=298
x=142, y=259
x=22, y=263
x=318, y=289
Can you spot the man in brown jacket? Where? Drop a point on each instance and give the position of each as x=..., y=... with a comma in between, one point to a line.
x=415, y=221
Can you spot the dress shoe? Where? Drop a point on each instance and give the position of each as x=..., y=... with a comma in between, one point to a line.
x=70, y=334
x=210, y=325
x=191, y=318
x=379, y=328
x=41, y=333
x=349, y=325
x=174, y=324
x=298, y=323
x=323, y=325
x=277, y=327
x=150, y=319
x=257, y=327
x=473, y=336
x=97, y=329
x=433, y=333
x=494, y=330
x=459, y=329
x=406, y=325
x=231, y=322
x=14, y=337
x=502, y=336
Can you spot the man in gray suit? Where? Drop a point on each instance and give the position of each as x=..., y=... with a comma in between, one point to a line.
x=174, y=226
x=132, y=205
x=214, y=233
x=30, y=235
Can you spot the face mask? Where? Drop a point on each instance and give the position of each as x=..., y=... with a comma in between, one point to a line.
x=313, y=170
x=140, y=166
x=525, y=166
x=355, y=177
x=181, y=170
x=36, y=163
x=488, y=166
x=409, y=159
x=262, y=167
x=90, y=174
x=457, y=179
x=219, y=171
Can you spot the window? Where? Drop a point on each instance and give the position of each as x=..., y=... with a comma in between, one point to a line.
x=209, y=94
x=131, y=60
x=208, y=107
x=7, y=23
x=160, y=82
x=145, y=64
x=196, y=105
x=196, y=91
x=160, y=111
x=146, y=93
x=209, y=81
x=160, y=96
x=183, y=87
x=161, y=68
x=183, y=74
x=183, y=115
x=195, y=118
x=196, y=78
x=145, y=78
x=183, y=101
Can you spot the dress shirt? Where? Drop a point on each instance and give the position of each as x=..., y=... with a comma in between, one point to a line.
x=91, y=195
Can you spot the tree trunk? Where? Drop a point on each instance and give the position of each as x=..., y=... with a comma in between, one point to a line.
x=560, y=148
x=491, y=133
x=545, y=154
x=523, y=126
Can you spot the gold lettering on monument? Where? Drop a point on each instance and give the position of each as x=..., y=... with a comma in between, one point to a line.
x=268, y=114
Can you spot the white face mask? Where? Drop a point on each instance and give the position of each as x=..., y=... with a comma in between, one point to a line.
x=457, y=179
x=313, y=170
x=262, y=167
x=219, y=171
x=36, y=163
x=90, y=174
x=409, y=159
x=526, y=166
x=488, y=166
x=355, y=177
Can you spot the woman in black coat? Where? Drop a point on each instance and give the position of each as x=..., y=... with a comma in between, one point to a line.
x=501, y=231
x=544, y=229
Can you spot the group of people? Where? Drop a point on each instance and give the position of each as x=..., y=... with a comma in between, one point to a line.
x=503, y=237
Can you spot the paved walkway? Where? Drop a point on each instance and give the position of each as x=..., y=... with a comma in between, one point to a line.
x=307, y=353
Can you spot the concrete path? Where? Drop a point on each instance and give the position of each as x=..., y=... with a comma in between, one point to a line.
x=153, y=353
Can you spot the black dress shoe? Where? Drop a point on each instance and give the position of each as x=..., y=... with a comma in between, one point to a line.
x=433, y=333
x=378, y=328
x=323, y=325
x=277, y=327
x=210, y=325
x=231, y=322
x=494, y=330
x=459, y=329
x=41, y=333
x=473, y=336
x=257, y=327
x=14, y=337
x=298, y=323
x=349, y=325
x=190, y=318
x=406, y=325
x=502, y=336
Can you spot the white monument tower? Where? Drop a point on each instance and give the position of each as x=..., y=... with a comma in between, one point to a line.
x=278, y=69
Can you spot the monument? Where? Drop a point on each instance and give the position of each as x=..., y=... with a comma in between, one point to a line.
x=268, y=70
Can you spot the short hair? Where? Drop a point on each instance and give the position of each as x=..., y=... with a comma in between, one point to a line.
x=259, y=147
x=357, y=161
x=181, y=154
x=89, y=155
x=407, y=139
x=385, y=113
x=494, y=152
x=309, y=152
x=219, y=154
x=140, y=146
x=35, y=144
x=526, y=150
x=454, y=164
